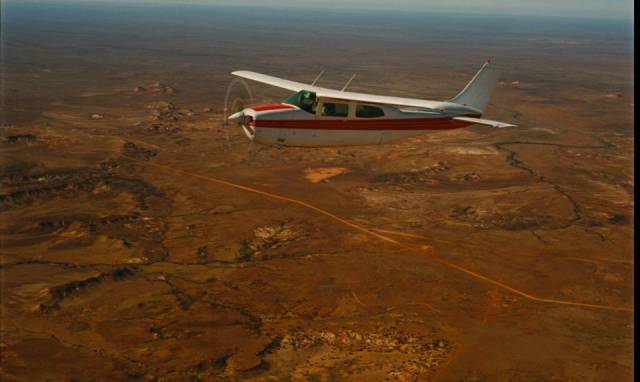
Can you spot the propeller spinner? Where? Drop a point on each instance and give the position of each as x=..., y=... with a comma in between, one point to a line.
x=238, y=117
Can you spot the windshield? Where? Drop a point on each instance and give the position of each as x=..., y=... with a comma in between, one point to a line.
x=305, y=100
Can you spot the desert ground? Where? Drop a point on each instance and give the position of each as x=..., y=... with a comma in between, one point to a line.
x=143, y=240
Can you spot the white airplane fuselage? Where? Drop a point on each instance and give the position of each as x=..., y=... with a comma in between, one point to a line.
x=318, y=116
x=289, y=125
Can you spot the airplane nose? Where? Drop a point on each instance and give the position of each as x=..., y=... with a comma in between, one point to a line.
x=237, y=117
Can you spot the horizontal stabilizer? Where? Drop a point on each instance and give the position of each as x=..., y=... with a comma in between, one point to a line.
x=486, y=122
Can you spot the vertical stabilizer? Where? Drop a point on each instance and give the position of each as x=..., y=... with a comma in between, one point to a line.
x=478, y=91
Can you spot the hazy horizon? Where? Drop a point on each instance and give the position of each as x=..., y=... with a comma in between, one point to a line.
x=592, y=9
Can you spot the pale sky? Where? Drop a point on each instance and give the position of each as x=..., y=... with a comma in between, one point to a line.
x=620, y=9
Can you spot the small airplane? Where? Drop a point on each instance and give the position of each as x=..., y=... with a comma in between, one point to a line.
x=315, y=116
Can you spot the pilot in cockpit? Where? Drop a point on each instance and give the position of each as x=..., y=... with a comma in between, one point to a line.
x=305, y=100
x=309, y=102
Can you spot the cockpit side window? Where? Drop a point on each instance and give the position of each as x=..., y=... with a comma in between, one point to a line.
x=367, y=111
x=330, y=109
x=305, y=100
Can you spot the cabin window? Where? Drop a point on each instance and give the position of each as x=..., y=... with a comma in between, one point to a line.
x=366, y=111
x=305, y=100
x=330, y=109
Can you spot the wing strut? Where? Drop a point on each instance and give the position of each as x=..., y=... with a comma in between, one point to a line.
x=317, y=78
x=348, y=82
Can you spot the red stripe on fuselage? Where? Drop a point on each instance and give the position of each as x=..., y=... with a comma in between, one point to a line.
x=278, y=106
x=379, y=124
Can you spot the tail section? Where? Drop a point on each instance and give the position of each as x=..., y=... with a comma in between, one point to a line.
x=478, y=91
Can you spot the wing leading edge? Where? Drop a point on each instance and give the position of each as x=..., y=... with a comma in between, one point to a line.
x=273, y=81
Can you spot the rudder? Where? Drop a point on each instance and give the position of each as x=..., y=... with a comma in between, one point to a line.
x=478, y=91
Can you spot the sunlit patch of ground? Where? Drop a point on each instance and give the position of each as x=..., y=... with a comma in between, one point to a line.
x=317, y=175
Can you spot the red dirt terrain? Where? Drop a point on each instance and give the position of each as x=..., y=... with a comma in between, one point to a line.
x=143, y=240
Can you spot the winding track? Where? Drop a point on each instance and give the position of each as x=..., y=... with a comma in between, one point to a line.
x=371, y=232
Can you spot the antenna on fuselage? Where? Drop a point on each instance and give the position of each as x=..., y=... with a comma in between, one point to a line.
x=317, y=78
x=348, y=82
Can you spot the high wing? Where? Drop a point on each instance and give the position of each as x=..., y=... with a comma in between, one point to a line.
x=486, y=122
x=337, y=94
x=274, y=81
